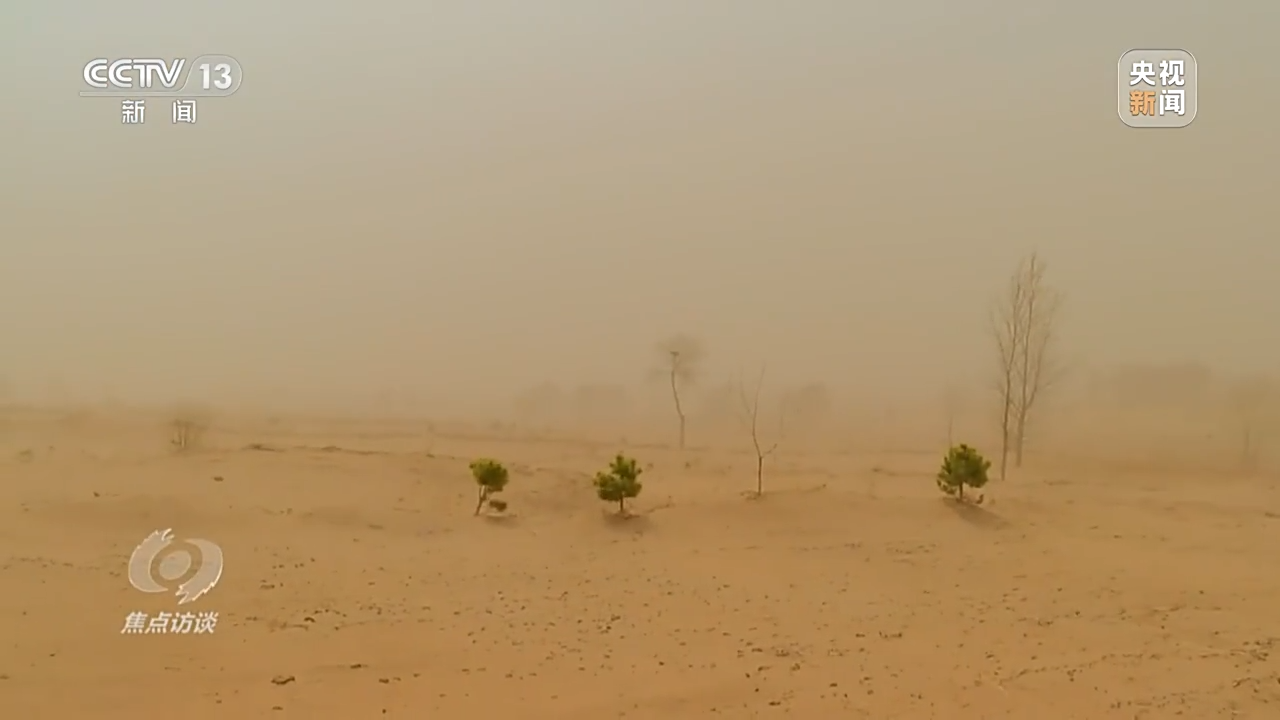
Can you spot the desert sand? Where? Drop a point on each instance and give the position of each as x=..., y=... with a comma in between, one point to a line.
x=424, y=233
x=358, y=584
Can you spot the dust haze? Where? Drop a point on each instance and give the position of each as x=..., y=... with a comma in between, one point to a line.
x=459, y=203
x=476, y=228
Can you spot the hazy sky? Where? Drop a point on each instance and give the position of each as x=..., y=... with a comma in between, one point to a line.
x=467, y=197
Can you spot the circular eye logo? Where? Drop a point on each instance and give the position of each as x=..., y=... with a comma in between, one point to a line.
x=157, y=563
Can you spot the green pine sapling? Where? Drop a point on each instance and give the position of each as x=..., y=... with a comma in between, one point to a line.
x=963, y=466
x=620, y=483
x=491, y=478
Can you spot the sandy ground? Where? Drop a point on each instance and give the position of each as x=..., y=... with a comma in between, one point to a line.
x=358, y=585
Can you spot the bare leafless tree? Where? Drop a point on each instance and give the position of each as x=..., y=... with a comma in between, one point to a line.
x=1024, y=325
x=681, y=358
x=751, y=418
x=1038, y=367
x=1007, y=331
x=1253, y=401
x=188, y=426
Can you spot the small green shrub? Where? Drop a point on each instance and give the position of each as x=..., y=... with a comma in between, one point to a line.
x=620, y=483
x=491, y=478
x=963, y=466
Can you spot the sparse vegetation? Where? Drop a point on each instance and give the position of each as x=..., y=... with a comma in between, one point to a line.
x=681, y=356
x=491, y=478
x=1024, y=326
x=751, y=416
x=963, y=466
x=619, y=483
x=186, y=432
x=1253, y=400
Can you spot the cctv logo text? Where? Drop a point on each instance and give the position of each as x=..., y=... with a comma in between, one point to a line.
x=129, y=73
